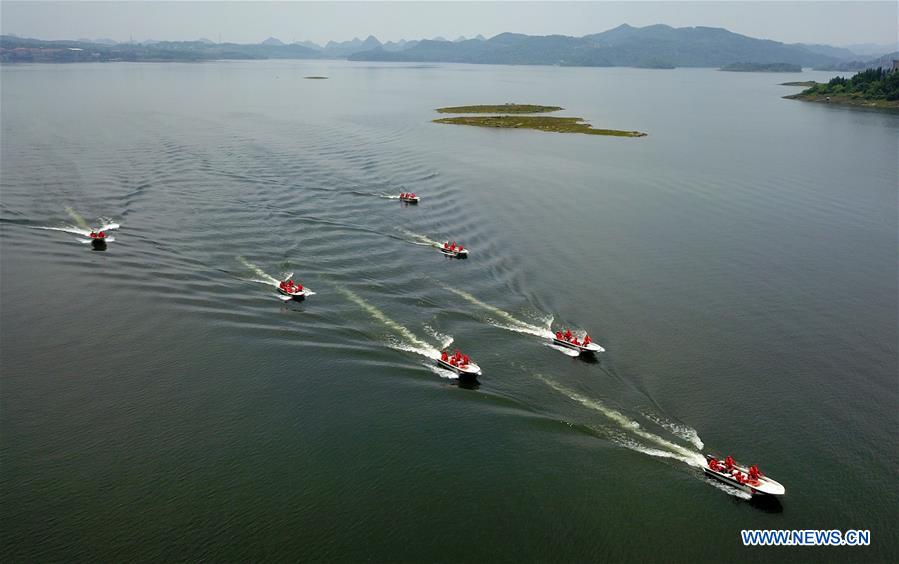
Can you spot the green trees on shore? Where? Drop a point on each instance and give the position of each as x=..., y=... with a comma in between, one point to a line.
x=871, y=84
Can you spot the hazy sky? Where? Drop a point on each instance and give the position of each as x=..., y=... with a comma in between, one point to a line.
x=836, y=23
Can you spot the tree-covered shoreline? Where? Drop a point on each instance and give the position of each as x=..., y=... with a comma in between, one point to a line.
x=877, y=88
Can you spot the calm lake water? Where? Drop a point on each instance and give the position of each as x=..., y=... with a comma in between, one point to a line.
x=159, y=402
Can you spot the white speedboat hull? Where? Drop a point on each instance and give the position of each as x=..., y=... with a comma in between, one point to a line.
x=455, y=254
x=764, y=486
x=410, y=200
x=296, y=295
x=470, y=370
x=590, y=348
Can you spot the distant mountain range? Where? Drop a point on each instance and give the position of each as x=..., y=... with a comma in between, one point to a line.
x=655, y=46
x=17, y=49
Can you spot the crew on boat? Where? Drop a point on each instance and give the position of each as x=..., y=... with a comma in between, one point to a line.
x=408, y=196
x=729, y=467
x=290, y=287
x=569, y=337
x=100, y=235
x=456, y=359
x=453, y=247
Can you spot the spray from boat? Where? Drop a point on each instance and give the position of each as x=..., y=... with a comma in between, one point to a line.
x=78, y=219
x=417, y=239
x=681, y=430
x=260, y=275
x=504, y=319
x=630, y=434
x=83, y=229
x=662, y=447
x=402, y=338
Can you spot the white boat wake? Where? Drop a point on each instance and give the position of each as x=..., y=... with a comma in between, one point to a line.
x=404, y=339
x=417, y=239
x=82, y=223
x=630, y=434
x=506, y=320
x=262, y=277
x=83, y=229
x=685, y=432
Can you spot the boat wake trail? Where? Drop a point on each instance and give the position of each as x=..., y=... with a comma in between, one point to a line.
x=505, y=320
x=402, y=339
x=80, y=221
x=417, y=239
x=685, y=432
x=627, y=430
x=377, y=195
x=83, y=228
x=261, y=276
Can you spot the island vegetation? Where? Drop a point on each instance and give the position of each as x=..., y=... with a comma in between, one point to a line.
x=762, y=67
x=803, y=83
x=541, y=123
x=872, y=88
x=500, y=109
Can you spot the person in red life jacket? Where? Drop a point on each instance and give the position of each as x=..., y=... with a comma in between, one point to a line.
x=728, y=462
x=713, y=463
x=453, y=246
x=739, y=476
x=453, y=361
x=443, y=356
x=587, y=340
x=465, y=360
x=446, y=246
x=568, y=334
x=299, y=288
x=461, y=248
x=559, y=335
x=102, y=235
x=754, y=473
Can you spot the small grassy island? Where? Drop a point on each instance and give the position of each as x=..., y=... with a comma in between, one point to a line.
x=804, y=83
x=872, y=88
x=500, y=109
x=316, y=77
x=541, y=123
x=761, y=67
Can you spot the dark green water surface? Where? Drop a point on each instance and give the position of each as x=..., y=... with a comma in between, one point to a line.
x=158, y=402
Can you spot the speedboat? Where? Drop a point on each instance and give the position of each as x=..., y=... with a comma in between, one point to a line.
x=470, y=370
x=296, y=292
x=741, y=477
x=454, y=252
x=409, y=198
x=580, y=347
x=98, y=240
